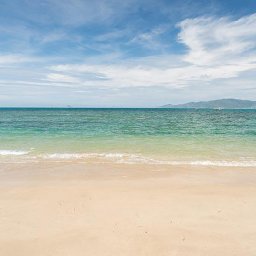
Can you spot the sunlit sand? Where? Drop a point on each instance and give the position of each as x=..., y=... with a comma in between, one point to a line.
x=88, y=209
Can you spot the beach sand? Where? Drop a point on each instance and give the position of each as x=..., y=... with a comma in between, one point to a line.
x=78, y=209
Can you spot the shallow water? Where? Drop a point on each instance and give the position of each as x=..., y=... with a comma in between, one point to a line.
x=155, y=136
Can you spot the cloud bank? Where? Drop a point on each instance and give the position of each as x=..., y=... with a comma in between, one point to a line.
x=217, y=48
x=201, y=57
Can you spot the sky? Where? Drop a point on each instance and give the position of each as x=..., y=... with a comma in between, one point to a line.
x=125, y=53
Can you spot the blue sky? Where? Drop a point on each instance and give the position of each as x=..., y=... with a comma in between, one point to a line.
x=130, y=53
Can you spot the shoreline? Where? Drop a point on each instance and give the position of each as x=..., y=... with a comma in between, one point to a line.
x=16, y=171
x=123, y=159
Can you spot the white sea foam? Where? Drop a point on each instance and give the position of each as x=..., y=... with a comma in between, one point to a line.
x=121, y=158
x=225, y=163
x=13, y=152
x=125, y=158
x=83, y=155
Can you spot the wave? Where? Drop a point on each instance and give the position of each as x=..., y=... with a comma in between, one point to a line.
x=122, y=158
x=225, y=163
x=13, y=152
x=84, y=155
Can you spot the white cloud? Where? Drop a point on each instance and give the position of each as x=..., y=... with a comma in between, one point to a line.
x=53, y=37
x=218, y=48
x=61, y=78
x=14, y=59
x=117, y=75
x=220, y=54
x=151, y=39
x=217, y=41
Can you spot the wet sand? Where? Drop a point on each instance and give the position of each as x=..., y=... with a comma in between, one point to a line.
x=78, y=209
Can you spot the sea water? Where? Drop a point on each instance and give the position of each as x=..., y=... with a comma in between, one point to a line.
x=152, y=136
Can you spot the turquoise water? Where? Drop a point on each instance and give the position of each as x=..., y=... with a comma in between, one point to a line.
x=168, y=136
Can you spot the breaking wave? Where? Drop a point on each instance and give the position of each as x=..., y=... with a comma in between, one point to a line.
x=119, y=158
x=13, y=152
x=123, y=158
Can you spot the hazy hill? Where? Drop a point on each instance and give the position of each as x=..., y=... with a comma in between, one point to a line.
x=223, y=103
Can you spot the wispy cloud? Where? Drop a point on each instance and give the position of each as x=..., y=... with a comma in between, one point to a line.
x=15, y=59
x=191, y=57
x=69, y=12
x=217, y=41
x=218, y=48
x=61, y=78
x=151, y=39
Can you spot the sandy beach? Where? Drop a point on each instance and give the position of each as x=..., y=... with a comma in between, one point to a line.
x=82, y=209
x=127, y=128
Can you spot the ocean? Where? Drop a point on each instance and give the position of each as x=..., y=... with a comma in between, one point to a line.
x=133, y=136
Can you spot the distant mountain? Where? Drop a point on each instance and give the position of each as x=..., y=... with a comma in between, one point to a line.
x=217, y=104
